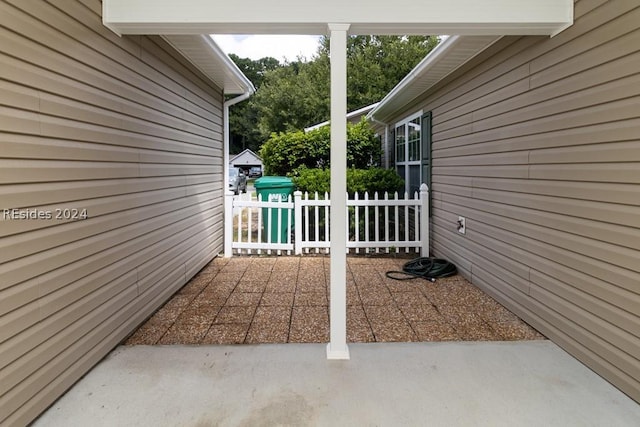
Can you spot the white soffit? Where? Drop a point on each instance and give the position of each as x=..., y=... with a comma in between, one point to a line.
x=184, y=23
x=449, y=55
x=207, y=56
x=470, y=17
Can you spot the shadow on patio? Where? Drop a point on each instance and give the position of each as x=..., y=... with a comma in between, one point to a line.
x=285, y=299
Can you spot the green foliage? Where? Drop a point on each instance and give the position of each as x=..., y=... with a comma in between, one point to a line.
x=363, y=147
x=372, y=180
x=375, y=64
x=296, y=95
x=313, y=180
x=293, y=97
x=255, y=70
x=284, y=153
x=244, y=116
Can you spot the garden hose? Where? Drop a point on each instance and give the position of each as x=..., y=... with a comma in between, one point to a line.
x=426, y=268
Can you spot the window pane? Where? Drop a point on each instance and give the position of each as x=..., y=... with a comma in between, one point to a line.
x=400, y=143
x=414, y=139
x=400, y=170
x=414, y=179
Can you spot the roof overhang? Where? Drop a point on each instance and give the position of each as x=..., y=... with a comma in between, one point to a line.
x=359, y=112
x=183, y=23
x=207, y=56
x=497, y=17
x=445, y=58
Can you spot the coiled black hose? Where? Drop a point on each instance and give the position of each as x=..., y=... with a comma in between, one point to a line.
x=425, y=268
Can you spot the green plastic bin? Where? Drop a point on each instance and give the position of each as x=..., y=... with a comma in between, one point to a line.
x=275, y=189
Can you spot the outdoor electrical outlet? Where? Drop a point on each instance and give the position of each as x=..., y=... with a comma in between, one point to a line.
x=462, y=225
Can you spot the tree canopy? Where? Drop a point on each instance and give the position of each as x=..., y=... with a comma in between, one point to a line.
x=294, y=95
x=243, y=117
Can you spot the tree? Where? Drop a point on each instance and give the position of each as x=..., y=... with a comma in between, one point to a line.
x=296, y=95
x=293, y=96
x=243, y=117
x=255, y=70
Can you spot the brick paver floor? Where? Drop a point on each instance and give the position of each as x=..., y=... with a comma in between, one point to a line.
x=285, y=299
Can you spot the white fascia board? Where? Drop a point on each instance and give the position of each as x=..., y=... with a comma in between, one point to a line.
x=362, y=110
x=499, y=17
x=207, y=56
x=438, y=64
x=354, y=113
x=317, y=126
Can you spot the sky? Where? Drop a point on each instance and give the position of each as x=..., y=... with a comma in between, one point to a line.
x=280, y=47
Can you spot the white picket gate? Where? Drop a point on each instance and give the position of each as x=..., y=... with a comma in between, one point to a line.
x=301, y=225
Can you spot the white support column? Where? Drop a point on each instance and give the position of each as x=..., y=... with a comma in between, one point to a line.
x=337, y=347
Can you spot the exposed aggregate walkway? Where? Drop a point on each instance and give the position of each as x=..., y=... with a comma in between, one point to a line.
x=285, y=299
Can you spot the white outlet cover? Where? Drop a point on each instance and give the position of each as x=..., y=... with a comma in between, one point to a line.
x=462, y=221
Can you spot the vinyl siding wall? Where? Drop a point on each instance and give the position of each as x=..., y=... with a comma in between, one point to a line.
x=536, y=142
x=126, y=129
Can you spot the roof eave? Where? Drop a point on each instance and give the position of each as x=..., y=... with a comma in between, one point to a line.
x=349, y=115
x=216, y=65
x=437, y=65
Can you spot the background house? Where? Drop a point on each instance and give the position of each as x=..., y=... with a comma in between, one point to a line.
x=534, y=141
x=111, y=187
x=246, y=160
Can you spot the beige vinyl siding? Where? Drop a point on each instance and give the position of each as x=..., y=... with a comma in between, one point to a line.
x=125, y=128
x=537, y=143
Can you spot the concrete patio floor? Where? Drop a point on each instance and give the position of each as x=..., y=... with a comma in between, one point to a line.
x=526, y=383
x=285, y=299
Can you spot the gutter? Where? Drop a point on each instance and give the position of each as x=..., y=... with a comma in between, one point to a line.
x=249, y=90
x=231, y=66
x=227, y=198
x=349, y=115
x=226, y=136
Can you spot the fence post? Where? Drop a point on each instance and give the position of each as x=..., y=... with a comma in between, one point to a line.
x=228, y=224
x=297, y=222
x=424, y=220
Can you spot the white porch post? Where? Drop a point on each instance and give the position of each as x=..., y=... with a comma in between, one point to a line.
x=337, y=347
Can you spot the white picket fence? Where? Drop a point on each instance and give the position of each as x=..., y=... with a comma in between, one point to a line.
x=302, y=224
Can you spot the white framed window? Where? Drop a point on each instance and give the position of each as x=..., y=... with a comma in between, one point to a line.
x=408, y=137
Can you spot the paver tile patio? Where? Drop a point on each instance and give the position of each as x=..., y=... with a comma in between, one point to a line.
x=277, y=299
x=226, y=333
x=286, y=299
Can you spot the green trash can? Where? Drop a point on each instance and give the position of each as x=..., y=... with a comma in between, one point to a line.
x=275, y=189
